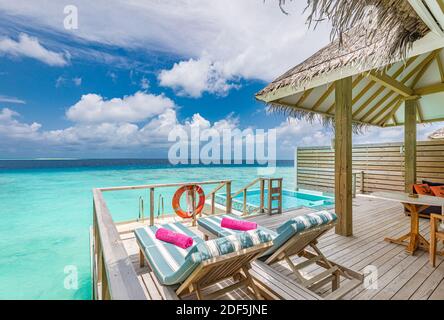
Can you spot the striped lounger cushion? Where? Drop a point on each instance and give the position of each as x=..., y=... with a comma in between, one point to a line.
x=284, y=233
x=172, y=264
x=167, y=260
x=226, y=245
x=212, y=224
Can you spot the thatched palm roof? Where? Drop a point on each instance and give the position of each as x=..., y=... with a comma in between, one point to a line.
x=396, y=61
x=437, y=135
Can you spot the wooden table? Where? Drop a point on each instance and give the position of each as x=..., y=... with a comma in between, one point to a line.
x=412, y=240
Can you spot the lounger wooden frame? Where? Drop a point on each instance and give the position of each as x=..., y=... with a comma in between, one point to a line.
x=235, y=265
x=297, y=246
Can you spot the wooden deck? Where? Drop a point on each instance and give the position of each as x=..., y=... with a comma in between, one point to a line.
x=400, y=276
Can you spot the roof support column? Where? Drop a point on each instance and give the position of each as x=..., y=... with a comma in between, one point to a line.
x=410, y=143
x=343, y=156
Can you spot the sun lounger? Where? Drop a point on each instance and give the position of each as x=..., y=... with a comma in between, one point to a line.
x=293, y=238
x=205, y=263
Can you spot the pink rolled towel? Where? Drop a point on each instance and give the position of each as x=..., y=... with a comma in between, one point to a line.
x=238, y=224
x=178, y=239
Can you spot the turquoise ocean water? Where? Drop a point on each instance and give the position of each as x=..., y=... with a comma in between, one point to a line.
x=46, y=211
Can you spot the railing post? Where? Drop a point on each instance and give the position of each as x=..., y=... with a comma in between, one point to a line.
x=105, y=287
x=228, y=202
x=151, y=206
x=262, y=186
x=296, y=169
x=362, y=181
x=213, y=197
x=270, y=186
x=193, y=205
x=244, y=209
x=354, y=184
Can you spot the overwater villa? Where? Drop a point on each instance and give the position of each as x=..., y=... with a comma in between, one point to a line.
x=373, y=238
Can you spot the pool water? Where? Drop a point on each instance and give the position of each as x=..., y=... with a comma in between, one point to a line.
x=46, y=214
x=290, y=200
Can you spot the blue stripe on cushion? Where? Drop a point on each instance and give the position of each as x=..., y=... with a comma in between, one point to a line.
x=222, y=246
x=309, y=220
x=167, y=260
x=298, y=224
x=212, y=224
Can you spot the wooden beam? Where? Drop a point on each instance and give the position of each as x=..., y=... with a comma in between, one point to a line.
x=390, y=83
x=357, y=81
x=410, y=143
x=378, y=105
x=381, y=89
x=324, y=97
x=431, y=89
x=440, y=66
x=416, y=71
x=423, y=70
x=343, y=156
x=419, y=112
x=304, y=96
x=387, y=107
x=391, y=113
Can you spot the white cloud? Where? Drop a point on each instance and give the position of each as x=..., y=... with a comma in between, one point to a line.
x=93, y=108
x=194, y=77
x=226, y=40
x=14, y=100
x=30, y=47
x=12, y=128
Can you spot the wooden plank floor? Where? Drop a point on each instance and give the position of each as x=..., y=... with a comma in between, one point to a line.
x=400, y=276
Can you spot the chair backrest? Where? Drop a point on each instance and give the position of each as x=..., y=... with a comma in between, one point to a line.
x=296, y=234
x=220, y=268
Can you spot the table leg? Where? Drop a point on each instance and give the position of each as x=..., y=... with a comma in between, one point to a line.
x=413, y=239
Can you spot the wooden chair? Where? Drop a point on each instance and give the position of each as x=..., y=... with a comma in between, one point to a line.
x=290, y=243
x=297, y=246
x=184, y=271
x=231, y=266
x=435, y=235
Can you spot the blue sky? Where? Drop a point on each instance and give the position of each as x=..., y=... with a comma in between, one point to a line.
x=133, y=71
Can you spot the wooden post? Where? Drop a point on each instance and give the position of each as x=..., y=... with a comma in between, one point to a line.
x=343, y=156
x=262, y=186
x=296, y=169
x=270, y=187
x=228, y=202
x=244, y=209
x=410, y=143
x=362, y=181
x=213, y=196
x=151, y=206
x=193, y=205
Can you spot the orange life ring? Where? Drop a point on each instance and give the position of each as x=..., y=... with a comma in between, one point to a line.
x=176, y=201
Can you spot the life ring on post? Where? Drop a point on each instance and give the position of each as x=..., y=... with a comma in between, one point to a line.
x=176, y=201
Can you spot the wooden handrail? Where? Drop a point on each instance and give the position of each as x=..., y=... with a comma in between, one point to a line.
x=115, y=272
x=252, y=183
x=165, y=185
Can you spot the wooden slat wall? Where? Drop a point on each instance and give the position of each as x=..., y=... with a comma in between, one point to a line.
x=382, y=164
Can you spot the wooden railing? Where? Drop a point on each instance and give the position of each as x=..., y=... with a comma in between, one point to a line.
x=261, y=181
x=113, y=275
